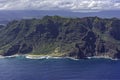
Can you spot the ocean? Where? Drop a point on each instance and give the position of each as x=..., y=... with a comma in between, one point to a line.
x=21, y=68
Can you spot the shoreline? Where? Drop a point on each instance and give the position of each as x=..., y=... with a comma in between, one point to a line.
x=102, y=57
x=55, y=57
x=41, y=57
x=58, y=57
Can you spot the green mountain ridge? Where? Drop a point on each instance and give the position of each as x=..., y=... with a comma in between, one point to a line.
x=60, y=36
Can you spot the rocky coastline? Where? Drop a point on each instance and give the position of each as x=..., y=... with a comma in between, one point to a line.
x=56, y=36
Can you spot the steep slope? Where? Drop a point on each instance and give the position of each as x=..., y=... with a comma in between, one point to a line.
x=59, y=36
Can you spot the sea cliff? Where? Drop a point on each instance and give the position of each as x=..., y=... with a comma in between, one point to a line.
x=78, y=38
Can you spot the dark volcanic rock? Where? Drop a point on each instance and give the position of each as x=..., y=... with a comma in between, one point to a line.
x=101, y=46
x=115, y=32
x=77, y=52
x=25, y=49
x=13, y=50
x=117, y=55
x=89, y=47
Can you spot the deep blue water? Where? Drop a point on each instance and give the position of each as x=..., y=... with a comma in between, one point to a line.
x=59, y=69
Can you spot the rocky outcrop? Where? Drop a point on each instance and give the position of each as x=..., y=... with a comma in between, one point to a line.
x=25, y=49
x=77, y=52
x=117, y=54
x=13, y=50
x=18, y=49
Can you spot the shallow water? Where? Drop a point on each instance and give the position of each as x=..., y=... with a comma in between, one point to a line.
x=21, y=68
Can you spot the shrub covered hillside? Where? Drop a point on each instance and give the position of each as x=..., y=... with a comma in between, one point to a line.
x=59, y=36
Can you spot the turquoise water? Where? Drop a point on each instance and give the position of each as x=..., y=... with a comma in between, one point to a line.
x=59, y=69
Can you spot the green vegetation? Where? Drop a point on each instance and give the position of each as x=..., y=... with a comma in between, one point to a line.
x=88, y=36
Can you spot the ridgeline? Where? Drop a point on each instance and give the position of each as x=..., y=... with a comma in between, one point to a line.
x=60, y=36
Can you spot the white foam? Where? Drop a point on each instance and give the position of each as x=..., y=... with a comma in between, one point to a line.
x=1, y=57
x=50, y=57
x=41, y=57
x=72, y=58
x=34, y=57
x=102, y=57
x=13, y=56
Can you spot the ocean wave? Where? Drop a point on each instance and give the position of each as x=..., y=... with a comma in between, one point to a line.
x=51, y=57
x=1, y=57
x=72, y=58
x=41, y=57
x=13, y=56
x=48, y=57
x=102, y=57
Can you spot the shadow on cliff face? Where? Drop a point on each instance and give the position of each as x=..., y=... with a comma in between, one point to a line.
x=24, y=49
x=89, y=46
x=117, y=55
x=13, y=50
x=115, y=30
x=77, y=52
x=85, y=48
